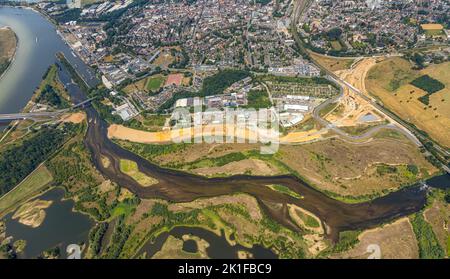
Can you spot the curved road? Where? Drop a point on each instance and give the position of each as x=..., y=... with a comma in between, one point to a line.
x=397, y=123
x=300, y=6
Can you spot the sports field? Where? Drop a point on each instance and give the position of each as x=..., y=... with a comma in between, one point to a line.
x=148, y=84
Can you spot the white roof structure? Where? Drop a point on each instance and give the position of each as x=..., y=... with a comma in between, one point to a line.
x=296, y=107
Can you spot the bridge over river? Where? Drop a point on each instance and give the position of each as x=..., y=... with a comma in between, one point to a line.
x=43, y=114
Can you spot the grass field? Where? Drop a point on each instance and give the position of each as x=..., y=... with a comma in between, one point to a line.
x=90, y=2
x=155, y=82
x=332, y=63
x=147, y=84
x=437, y=215
x=350, y=170
x=434, y=33
x=165, y=58
x=309, y=220
x=396, y=241
x=173, y=249
x=131, y=168
x=433, y=29
x=122, y=209
x=389, y=81
x=148, y=122
x=336, y=45
x=7, y=48
x=32, y=185
x=285, y=190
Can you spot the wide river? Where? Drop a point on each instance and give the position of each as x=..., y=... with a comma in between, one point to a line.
x=37, y=46
x=38, y=43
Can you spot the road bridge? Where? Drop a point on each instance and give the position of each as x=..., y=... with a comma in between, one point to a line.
x=43, y=114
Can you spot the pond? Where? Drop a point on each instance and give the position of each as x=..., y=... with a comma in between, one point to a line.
x=219, y=248
x=61, y=227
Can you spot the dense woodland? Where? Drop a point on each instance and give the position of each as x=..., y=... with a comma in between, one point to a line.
x=21, y=159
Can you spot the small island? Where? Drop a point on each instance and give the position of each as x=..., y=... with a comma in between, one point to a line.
x=8, y=44
x=32, y=214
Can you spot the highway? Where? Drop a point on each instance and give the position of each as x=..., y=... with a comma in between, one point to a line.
x=44, y=114
x=300, y=6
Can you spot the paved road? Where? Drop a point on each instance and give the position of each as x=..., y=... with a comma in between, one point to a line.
x=397, y=123
x=43, y=114
x=367, y=135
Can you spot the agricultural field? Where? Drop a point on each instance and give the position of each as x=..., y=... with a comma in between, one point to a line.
x=390, y=82
x=8, y=44
x=429, y=85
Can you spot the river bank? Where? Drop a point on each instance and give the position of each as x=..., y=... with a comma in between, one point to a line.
x=39, y=42
x=9, y=43
x=176, y=186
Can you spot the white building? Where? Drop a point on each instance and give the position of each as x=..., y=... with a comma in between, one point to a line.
x=291, y=107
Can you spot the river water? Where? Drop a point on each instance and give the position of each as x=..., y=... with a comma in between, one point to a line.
x=37, y=46
x=38, y=43
x=61, y=227
x=219, y=248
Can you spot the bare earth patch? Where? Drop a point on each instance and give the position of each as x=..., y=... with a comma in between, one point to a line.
x=75, y=118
